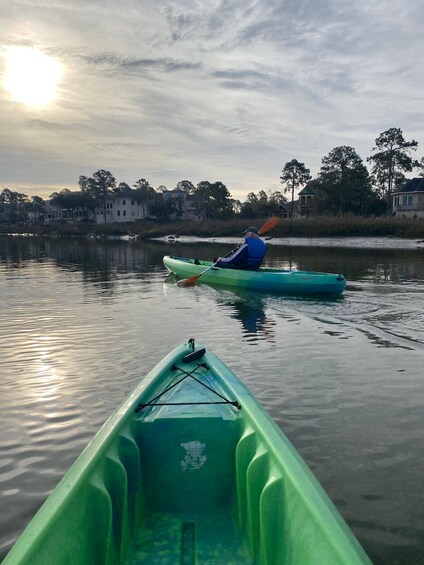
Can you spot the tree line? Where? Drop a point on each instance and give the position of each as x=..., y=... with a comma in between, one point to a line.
x=343, y=185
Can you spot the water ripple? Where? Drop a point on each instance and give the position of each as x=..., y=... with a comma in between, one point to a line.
x=82, y=322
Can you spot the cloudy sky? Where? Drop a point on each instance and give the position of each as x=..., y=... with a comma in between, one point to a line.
x=201, y=90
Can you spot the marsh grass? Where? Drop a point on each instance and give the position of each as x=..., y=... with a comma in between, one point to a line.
x=318, y=226
x=352, y=226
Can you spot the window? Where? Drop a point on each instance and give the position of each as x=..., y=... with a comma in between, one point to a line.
x=132, y=202
x=124, y=213
x=123, y=202
x=407, y=200
x=396, y=200
x=118, y=212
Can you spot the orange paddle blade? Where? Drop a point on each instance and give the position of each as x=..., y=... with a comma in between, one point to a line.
x=269, y=225
x=191, y=281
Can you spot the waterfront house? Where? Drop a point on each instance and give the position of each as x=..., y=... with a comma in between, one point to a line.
x=304, y=206
x=54, y=213
x=408, y=201
x=290, y=210
x=120, y=207
x=189, y=206
x=125, y=206
x=307, y=201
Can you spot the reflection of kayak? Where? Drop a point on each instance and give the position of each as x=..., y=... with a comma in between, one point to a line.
x=189, y=469
x=270, y=280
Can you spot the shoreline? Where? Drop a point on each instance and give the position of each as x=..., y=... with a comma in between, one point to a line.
x=347, y=242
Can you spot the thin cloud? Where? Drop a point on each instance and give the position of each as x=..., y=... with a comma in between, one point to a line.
x=225, y=90
x=131, y=64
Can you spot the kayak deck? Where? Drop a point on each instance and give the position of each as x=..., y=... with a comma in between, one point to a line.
x=189, y=469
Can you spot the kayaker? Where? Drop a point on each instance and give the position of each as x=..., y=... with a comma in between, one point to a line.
x=248, y=256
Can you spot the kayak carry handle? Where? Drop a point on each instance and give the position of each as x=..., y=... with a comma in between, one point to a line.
x=194, y=356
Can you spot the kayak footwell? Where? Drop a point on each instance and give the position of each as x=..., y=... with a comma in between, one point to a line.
x=188, y=478
x=189, y=539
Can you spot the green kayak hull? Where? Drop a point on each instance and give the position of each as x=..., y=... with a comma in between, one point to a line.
x=268, y=280
x=190, y=469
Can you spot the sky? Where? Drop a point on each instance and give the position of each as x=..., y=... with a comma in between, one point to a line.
x=201, y=90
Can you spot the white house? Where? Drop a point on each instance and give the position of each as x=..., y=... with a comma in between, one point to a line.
x=123, y=207
x=120, y=207
x=408, y=201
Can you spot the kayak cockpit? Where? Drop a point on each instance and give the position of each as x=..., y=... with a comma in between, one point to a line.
x=188, y=437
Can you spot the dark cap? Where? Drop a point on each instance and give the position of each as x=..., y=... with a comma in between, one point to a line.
x=252, y=229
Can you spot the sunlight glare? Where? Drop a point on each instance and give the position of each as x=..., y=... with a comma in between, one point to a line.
x=31, y=76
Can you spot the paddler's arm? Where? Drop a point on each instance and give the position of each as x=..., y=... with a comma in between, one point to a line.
x=234, y=256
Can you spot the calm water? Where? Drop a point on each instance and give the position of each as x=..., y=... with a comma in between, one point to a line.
x=81, y=322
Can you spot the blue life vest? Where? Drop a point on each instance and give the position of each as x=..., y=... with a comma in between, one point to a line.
x=248, y=256
x=257, y=249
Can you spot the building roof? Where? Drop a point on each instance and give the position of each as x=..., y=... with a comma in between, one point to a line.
x=413, y=185
x=127, y=192
x=288, y=206
x=307, y=191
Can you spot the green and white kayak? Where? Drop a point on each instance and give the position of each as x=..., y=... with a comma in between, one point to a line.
x=269, y=280
x=190, y=469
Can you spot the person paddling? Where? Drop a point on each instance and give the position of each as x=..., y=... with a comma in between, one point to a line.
x=249, y=254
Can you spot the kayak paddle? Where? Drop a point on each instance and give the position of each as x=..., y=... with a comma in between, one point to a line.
x=269, y=225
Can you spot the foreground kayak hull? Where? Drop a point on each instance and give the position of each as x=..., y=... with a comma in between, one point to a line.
x=268, y=280
x=189, y=469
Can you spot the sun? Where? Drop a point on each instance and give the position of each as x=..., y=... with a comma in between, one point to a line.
x=31, y=76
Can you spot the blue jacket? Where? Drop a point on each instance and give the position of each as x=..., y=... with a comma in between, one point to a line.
x=248, y=256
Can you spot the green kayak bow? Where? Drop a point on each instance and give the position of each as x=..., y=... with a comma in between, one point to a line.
x=189, y=470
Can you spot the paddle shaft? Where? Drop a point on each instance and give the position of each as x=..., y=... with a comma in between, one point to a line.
x=207, y=269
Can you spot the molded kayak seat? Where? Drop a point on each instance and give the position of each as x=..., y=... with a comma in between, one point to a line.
x=188, y=466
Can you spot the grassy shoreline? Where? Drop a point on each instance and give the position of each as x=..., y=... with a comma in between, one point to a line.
x=323, y=226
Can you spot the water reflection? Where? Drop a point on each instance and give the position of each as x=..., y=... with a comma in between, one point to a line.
x=83, y=321
x=389, y=281
x=101, y=261
x=250, y=310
